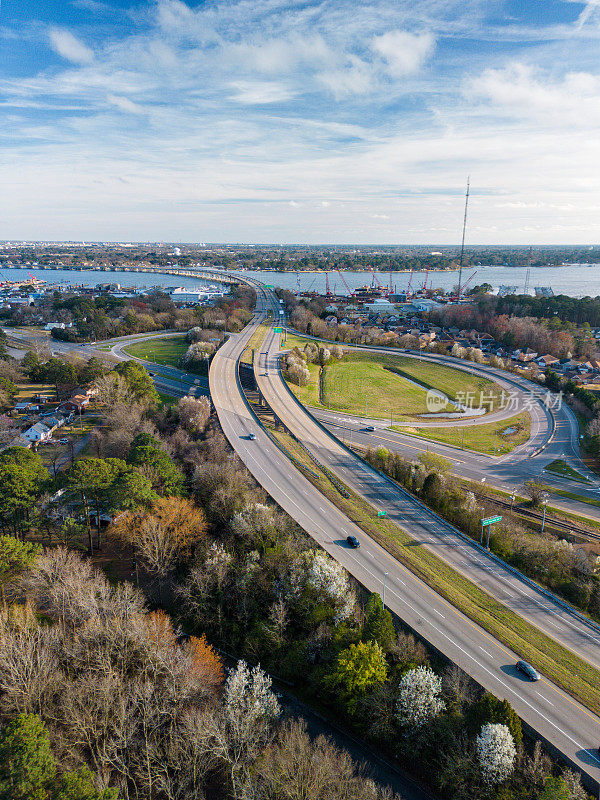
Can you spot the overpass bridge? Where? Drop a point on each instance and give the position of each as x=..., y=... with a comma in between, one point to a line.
x=204, y=273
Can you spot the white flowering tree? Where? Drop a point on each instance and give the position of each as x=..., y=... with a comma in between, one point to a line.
x=317, y=571
x=496, y=752
x=255, y=524
x=217, y=562
x=419, y=697
x=244, y=725
x=194, y=413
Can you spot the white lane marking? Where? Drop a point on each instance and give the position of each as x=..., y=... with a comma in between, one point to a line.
x=440, y=613
x=543, y=698
x=485, y=651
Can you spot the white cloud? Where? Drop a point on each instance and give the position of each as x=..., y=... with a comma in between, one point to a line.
x=403, y=52
x=355, y=79
x=590, y=10
x=69, y=47
x=523, y=91
x=260, y=92
x=124, y=104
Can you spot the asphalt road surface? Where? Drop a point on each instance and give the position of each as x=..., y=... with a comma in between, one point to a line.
x=563, y=722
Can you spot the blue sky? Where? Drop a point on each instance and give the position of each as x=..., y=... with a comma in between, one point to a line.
x=300, y=121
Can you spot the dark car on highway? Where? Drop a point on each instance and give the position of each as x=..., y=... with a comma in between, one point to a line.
x=370, y=429
x=528, y=670
x=352, y=541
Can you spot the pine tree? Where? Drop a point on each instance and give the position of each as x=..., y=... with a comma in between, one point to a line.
x=379, y=626
x=27, y=766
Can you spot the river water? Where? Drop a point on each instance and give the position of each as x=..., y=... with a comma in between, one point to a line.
x=578, y=280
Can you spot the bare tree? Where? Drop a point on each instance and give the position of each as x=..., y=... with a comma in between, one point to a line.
x=163, y=535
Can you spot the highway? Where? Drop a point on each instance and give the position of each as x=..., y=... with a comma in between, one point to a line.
x=554, y=435
x=563, y=722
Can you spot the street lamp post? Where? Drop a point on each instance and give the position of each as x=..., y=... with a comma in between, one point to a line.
x=512, y=500
x=543, y=515
x=385, y=574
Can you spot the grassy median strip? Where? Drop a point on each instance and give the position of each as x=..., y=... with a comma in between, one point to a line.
x=560, y=665
x=357, y=376
x=560, y=467
x=255, y=342
x=571, y=495
x=167, y=350
x=489, y=437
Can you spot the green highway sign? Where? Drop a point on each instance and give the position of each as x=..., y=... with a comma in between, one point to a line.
x=490, y=520
x=268, y=286
x=278, y=330
x=382, y=513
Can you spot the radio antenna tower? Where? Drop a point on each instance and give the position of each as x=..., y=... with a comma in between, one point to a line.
x=462, y=246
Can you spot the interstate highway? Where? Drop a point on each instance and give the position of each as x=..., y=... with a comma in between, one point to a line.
x=424, y=526
x=566, y=724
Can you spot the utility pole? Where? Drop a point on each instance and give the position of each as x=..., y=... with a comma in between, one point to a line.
x=544, y=502
x=462, y=247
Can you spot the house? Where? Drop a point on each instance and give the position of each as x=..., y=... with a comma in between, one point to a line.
x=565, y=365
x=54, y=421
x=546, y=361
x=77, y=403
x=37, y=433
x=424, y=305
x=23, y=408
x=526, y=355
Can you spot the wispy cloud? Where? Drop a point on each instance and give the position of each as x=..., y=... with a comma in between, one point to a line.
x=69, y=47
x=260, y=93
x=305, y=116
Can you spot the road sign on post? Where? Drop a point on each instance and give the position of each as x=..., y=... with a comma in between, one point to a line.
x=277, y=330
x=490, y=520
x=382, y=513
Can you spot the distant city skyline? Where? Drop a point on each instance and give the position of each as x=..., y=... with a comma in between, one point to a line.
x=300, y=122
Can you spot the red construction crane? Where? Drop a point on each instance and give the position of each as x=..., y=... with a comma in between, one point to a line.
x=467, y=282
x=409, y=283
x=327, y=291
x=426, y=278
x=376, y=280
x=349, y=290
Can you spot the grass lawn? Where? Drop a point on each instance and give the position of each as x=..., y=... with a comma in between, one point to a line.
x=385, y=381
x=560, y=665
x=160, y=350
x=255, y=342
x=481, y=438
x=572, y=496
x=560, y=467
x=28, y=390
